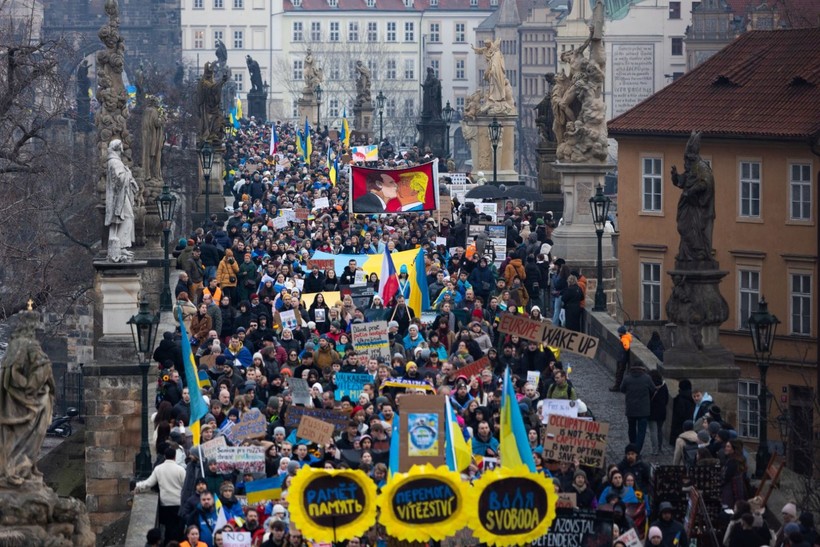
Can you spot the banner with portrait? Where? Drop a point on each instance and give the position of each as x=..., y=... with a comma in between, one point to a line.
x=377, y=191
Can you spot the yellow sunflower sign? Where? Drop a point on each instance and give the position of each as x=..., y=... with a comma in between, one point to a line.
x=511, y=506
x=332, y=505
x=426, y=503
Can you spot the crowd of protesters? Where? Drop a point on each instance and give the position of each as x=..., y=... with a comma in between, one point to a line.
x=236, y=278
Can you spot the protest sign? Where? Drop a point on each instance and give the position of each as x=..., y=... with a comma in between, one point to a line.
x=580, y=528
x=566, y=500
x=558, y=407
x=441, y=241
x=360, y=277
x=293, y=415
x=351, y=384
x=533, y=377
x=474, y=368
x=362, y=295
x=369, y=152
x=548, y=334
x=289, y=214
x=322, y=264
x=371, y=339
x=315, y=430
x=280, y=223
x=301, y=214
x=321, y=203
x=209, y=448
x=288, y=319
x=236, y=539
x=300, y=391
x=252, y=426
x=421, y=431
x=630, y=538
x=245, y=459
x=457, y=178
x=565, y=438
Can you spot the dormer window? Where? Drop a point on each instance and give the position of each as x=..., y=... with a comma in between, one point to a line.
x=333, y=3
x=433, y=3
x=296, y=3
x=408, y=3
x=371, y=3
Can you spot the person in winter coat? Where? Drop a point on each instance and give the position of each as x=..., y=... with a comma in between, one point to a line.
x=623, y=358
x=246, y=279
x=638, y=387
x=227, y=274
x=571, y=299
x=559, y=283
x=532, y=281
x=703, y=402
x=657, y=413
x=673, y=531
x=683, y=408
x=688, y=439
x=482, y=279
x=514, y=268
x=201, y=324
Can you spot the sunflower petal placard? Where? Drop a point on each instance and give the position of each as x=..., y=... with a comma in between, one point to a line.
x=332, y=505
x=511, y=506
x=425, y=504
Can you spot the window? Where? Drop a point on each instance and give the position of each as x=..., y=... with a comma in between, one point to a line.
x=239, y=80
x=391, y=32
x=218, y=35
x=409, y=31
x=373, y=67
x=199, y=39
x=316, y=31
x=219, y=4
x=390, y=108
x=351, y=70
x=650, y=291
x=298, y=34
x=353, y=31
x=460, y=72
x=298, y=66
x=408, y=3
x=674, y=10
x=460, y=104
x=409, y=108
x=800, y=190
x=677, y=46
x=435, y=32
x=748, y=408
x=333, y=108
x=199, y=4
x=333, y=3
x=391, y=69
x=461, y=33
x=371, y=3
x=335, y=69
x=435, y=64
x=433, y=3
x=473, y=3
x=334, y=31
x=239, y=39
x=409, y=69
x=372, y=31
x=801, y=304
x=493, y=2
x=294, y=110
x=652, y=184
x=238, y=4
x=750, y=189
x=748, y=295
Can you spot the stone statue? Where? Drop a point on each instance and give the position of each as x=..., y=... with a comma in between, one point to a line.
x=209, y=98
x=26, y=401
x=431, y=103
x=312, y=73
x=498, y=97
x=363, y=96
x=578, y=99
x=221, y=53
x=179, y=75
x=256, y=75
x=696, y=207
x=544, y=118
x=121, y=196
x=153, y=138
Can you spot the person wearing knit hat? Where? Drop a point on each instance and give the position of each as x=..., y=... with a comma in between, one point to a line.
x=789, y=512
x=672, y=531
x=655, y=536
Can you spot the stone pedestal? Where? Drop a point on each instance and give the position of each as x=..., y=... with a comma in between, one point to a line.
x=216, y=202
x=117, y=289
x=433, y=136
x=549, y=181
x=36, y=517
x=576, y=240
x=363, y=120
x=308, y=108
x=257, y=105
x=477, y=134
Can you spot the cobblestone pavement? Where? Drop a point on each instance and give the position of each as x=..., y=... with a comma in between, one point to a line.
x=593, y=380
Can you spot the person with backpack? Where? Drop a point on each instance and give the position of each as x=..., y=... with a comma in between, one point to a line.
x=561, y=388
x=686, y=446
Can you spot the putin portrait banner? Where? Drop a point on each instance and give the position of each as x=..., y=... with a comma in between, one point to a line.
x=376, y=191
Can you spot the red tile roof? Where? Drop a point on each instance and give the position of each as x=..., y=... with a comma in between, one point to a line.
x=388, y=5
x=764, y=84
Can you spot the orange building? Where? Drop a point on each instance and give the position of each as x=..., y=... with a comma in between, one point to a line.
x=757, y=103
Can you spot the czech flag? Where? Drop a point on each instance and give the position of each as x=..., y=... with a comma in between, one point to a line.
x=388, y=282
x=198, y=407
x=274, y=139
x=514, y=448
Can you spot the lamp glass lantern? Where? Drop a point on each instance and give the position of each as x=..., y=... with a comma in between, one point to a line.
x=447, y=113
x=762, y=327
x=599, y=205
x=494, y=130
x=167, y=207
x=144, y=327
x=380, y=99
x=206, y=158
x=318, y=91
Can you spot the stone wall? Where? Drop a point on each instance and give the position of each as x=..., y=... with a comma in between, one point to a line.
x=605, y=328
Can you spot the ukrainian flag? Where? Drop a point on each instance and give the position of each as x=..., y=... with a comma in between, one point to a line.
x=459, y=452
x=264, y=489
x=308, y=143
x=198, y=407
x=333, y=168
x=345, y=136
x=514, y=448
x=300, y=144
x=419, y=300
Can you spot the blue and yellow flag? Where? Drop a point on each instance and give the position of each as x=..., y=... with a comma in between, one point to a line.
x=332, y=168
x=393, y=457
x=514, y=448
x=459, y=452
x=308, y=143
x=345, y=134
x=419, y=300
x=198, y=407
x=264, y=489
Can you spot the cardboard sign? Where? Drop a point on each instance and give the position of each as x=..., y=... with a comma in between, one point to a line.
x=245, y=459
x=421, y=431
x=293, y=416
x=253, y=425
x=533, y=377
x=362, y=295
x=321, y=203
x=566, y=500
x=582, y=528
x=209, y=448
x=371, y=339
x=565, y=438
x=351, y=384
x=558, y=407
x=441, y=241
x=288, y=319
x=630, y=538
x=360, y=277
x=322, y=264
x=548, y=334
x=299, y=391
x=474, y=368
x=280, y=223
x=301, y=214
x=315, y=430
x=236, y=539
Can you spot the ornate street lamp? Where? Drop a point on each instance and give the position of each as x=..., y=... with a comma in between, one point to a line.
x=495, y=134
x=167, y=207
x=144, y=330
x=447, y=116
x=762, y=327
x=206, y=158
x=599, y=204
x=380, y=98
x=318, y=91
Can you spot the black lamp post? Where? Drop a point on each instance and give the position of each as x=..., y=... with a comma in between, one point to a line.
x=167, y=207
x=206, y=158
x=599, y=203
x=144, y=330
x=319, y=92
x=447, y=116
x=762, y=327
x=495, y=134
x=380, y=98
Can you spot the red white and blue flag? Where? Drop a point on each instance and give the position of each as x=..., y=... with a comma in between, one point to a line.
x=274, y=139
x=388, y=282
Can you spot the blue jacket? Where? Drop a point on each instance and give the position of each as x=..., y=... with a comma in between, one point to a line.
x=206, y=523
x=480, y=447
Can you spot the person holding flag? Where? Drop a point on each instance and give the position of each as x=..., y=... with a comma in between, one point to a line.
x=198, y=407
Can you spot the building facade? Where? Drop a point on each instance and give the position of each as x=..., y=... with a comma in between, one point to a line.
x=758, y=104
